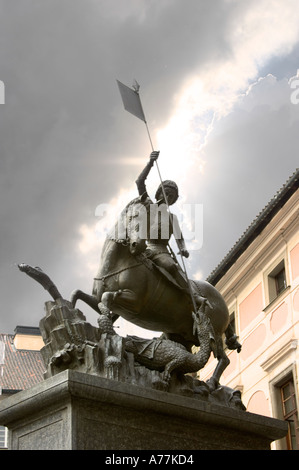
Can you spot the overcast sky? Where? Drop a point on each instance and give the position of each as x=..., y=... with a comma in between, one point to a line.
x=215, y=82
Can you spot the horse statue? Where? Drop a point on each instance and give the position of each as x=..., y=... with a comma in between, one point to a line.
x=145, y=295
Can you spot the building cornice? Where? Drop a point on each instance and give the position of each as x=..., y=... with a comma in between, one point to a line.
x=256, y=227
x=272, y=241
x=272, y=361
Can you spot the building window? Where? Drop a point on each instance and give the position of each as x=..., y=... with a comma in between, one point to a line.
x=290, y=413
x=3, y=437
x=277, y=281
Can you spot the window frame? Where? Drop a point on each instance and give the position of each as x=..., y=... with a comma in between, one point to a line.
x=275, y=386
x=4, y=432
x=270, y=278
x=292, y=415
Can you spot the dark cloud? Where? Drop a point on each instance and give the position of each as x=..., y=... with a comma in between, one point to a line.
x=250, y=155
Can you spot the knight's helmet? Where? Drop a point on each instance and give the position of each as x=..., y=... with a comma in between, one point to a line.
x=167, y=184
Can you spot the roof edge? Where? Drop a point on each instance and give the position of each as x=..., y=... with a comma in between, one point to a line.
x=256, y=227
x=27, y=330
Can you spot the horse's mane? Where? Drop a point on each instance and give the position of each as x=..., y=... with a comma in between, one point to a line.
x=116, y=229
x=132, y=203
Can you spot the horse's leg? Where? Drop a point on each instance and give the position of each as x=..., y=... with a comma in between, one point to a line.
x=223, y=362
x=90, y=300
x=127, y=299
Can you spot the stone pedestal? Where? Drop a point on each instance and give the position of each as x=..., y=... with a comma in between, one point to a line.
x=78, y=411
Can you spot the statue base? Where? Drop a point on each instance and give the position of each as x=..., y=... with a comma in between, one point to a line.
x=77, y=411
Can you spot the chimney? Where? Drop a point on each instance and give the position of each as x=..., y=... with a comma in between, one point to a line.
x=28, y=338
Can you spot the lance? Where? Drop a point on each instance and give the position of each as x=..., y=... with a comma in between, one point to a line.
x=132, y=104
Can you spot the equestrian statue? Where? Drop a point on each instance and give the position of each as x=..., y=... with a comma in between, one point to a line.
x=140, y=273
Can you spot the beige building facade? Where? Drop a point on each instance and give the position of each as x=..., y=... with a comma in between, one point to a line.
x=259, y=280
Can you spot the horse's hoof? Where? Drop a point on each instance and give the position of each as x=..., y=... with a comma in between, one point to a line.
x=160, y=385
x=112, y=361
x=213, y=384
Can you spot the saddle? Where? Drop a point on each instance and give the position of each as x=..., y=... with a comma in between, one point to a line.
x=145, y=258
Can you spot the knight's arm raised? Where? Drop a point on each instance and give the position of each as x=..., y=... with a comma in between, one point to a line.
x=140, y=182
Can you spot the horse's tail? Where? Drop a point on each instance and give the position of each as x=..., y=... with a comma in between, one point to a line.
x=231, y=339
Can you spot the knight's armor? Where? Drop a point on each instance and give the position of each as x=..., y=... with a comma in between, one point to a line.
x=158, y=242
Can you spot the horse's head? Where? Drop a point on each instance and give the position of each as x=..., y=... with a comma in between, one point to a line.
x=136, y=223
